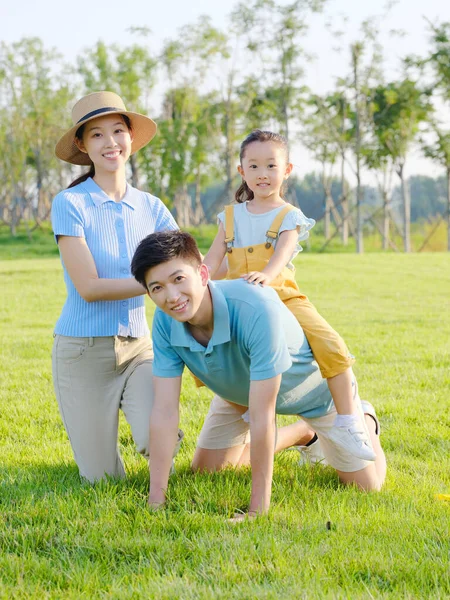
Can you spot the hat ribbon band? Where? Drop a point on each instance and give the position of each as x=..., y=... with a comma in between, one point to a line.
x=99, y=111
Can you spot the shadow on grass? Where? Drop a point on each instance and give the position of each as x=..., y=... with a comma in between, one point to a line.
x=211, y=493
x=39, y=481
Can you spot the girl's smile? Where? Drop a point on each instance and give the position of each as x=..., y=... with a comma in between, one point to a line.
x=264, y=167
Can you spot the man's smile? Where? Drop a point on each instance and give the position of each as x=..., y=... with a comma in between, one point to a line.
x=180, y=307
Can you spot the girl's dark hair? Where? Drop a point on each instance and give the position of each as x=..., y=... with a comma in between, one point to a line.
x=160, y=247
x=79, y=135
x=244, y=193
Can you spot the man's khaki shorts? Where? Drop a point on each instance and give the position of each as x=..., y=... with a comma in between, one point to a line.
x=226, y=425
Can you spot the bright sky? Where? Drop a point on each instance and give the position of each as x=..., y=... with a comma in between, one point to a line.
x=72, y=27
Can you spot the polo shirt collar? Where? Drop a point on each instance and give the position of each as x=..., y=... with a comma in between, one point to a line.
x=99, y=197
x=181, y=336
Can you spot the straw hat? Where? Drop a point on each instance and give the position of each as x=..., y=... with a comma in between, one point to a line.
x=97, y=105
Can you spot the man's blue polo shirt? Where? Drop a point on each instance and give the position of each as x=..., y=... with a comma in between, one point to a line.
x=255, y=337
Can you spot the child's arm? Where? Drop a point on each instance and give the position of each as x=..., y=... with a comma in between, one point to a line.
x=216, y=253
x=284, y=250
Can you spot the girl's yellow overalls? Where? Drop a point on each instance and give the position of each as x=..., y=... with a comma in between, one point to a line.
x=328, y=347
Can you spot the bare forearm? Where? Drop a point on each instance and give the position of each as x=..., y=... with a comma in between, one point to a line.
x=283, y=252
x=83, y=272
x=163, y=437
x=262, y=402
x=261, y=459
x=275, y=265
x=216, y=253
x=94, y=290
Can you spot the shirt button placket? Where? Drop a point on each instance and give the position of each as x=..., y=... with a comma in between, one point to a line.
x=124, y=269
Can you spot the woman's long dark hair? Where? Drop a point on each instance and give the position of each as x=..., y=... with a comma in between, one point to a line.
x=244, y=193
x=91, y=172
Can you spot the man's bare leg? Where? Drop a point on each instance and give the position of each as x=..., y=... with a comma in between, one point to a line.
x=296, y=434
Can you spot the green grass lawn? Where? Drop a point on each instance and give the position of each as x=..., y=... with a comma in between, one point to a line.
x=60, y=538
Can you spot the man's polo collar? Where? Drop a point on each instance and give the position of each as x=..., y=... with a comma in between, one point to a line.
x=99, y=197
x=181, y=336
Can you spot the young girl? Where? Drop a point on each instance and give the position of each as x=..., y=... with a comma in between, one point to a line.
x=260, y=237
x=102, y=354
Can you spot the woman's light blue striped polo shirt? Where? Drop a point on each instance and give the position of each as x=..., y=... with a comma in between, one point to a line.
x=112, y=231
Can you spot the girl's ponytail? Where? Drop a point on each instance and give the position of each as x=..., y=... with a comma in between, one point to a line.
x=244, y=193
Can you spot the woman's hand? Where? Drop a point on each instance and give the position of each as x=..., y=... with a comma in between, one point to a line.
x=257, y=277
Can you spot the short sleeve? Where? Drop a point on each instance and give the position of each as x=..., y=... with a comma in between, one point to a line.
x=295, y=219
x=221, y=219
x=163, y=217
x=67, y=219
x=267, y=347
x=166, y=363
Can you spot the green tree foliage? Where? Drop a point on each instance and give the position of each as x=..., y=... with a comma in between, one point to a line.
x=439, y=151
x=33, y=111
x=218, y=84
x=274, y=34
x=185, y=153
x=398, y=110
x=130, y=72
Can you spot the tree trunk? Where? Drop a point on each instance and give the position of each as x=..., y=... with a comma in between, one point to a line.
x=448, y=209
x=406, y=210
x=41, y=200
x=359, y=231
x=286, y=120
x=182, y=205
x=327, y=215
x=326, y=219
x=386, y=243
x=228, y=192
x=344, y=203
x=199, y=215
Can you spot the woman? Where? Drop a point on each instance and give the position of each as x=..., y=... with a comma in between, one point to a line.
x=102, y=354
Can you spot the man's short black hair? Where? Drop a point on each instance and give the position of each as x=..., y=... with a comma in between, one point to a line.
x=160, y=247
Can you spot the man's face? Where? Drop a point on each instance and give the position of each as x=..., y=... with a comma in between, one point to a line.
x=177, y=287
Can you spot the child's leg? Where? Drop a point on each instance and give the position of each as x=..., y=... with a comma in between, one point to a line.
x=335, y=361
x=341, y=388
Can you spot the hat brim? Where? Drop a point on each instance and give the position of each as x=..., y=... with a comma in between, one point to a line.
x=144, y=129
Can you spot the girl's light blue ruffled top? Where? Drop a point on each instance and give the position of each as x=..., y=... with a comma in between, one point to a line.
x=250, y=229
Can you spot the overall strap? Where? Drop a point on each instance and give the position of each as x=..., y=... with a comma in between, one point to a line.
x=273, y=230
x=229, y=224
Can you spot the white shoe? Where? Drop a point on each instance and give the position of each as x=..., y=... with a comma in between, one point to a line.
x=310, y=455
x=354, y=439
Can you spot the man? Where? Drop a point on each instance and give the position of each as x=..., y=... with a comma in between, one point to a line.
x=248, y=348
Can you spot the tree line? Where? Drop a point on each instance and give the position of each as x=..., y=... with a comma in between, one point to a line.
x=218, y=84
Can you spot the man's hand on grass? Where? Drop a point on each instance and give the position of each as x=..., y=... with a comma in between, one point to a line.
x=242, y=517
x=155, y=504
